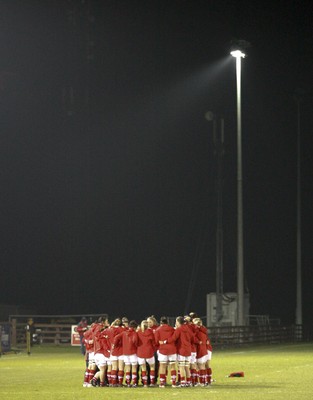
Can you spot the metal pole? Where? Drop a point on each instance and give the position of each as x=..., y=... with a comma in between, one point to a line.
x=299, y=274
x=240, y=266
x=219, y=145
x=218, y=140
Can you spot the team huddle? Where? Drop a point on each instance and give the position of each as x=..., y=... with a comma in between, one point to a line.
x=124, y=353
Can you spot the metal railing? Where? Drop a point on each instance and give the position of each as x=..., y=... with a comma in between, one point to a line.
x=223, y=336
x=255, y=334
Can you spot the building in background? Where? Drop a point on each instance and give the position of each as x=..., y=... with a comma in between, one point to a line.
x=229, y=309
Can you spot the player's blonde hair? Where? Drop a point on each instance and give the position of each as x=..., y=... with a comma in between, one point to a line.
x=144, y=325
x=153, y=319
x=116, y=322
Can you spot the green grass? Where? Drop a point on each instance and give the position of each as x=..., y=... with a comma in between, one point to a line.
x=279, y=372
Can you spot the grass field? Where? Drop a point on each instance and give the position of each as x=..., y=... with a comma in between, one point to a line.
x=277, y=372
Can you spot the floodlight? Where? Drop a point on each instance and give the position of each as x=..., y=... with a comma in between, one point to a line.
x=237, y=53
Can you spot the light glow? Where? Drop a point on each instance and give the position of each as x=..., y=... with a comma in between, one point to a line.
x=237, y=53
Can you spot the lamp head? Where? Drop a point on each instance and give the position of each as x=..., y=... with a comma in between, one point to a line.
x=238, y=48
x=237, y=53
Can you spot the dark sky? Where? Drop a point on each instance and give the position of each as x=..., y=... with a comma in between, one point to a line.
x=108, y=172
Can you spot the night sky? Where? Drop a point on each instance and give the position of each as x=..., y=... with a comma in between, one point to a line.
x=108, y=166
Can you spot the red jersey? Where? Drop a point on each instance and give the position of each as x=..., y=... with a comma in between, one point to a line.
x=201, y=339
x=182, y=338
x=146, y=344
x=163, y=332
x=82, y=328
x=87, y=336
x=192, y=328
x=101, y=343
x=128, y=339
x=96, y=328
x=112, y=332
x=154, y=328
x=208, y=344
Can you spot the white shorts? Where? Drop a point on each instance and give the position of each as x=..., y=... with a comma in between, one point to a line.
x=101, y=360
x=142, y=361
x=209, y=355
x=163, y=358
x=193, y=358
x=202, y=360
x=185, y=359
x=91, y=358
x=132, y=359
x=116, y=358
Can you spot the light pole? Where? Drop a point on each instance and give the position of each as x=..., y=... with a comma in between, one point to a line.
x=238, y=54
x=299, y=322
x=218, y=140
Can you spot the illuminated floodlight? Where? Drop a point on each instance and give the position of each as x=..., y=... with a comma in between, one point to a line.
x=237, y=53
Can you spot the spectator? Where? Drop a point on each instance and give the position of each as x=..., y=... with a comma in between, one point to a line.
x=30, y=327
x=81, y=329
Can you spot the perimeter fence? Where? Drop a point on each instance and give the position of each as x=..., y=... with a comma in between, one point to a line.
x=44, y=329
x=58, y=330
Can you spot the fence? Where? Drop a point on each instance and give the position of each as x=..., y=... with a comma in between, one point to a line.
x=225, y=336
x=43, y=333
x=257, y=334
x=47, y=329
